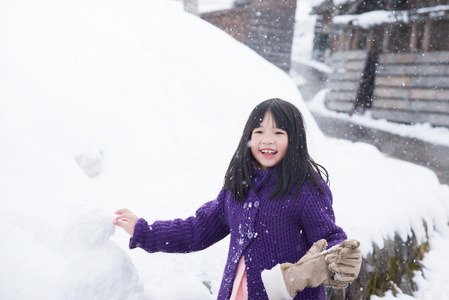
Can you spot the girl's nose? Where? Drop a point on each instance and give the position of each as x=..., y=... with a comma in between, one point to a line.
x=268, y=140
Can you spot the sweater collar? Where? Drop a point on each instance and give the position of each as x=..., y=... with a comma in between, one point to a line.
x=261, y=178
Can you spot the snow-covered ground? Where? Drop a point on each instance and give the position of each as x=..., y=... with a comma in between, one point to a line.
x=110, y=104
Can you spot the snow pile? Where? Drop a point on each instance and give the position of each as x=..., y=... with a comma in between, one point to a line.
x=137, y=104
x=87, y=228
x=102, y=272
x=214, y=5
x=97, y=268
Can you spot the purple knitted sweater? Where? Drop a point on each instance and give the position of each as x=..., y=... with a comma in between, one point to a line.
x=265, y=231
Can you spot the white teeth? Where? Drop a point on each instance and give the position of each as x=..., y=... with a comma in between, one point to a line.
x=268, y=151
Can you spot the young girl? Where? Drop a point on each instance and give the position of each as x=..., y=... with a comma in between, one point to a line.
x=275, y=204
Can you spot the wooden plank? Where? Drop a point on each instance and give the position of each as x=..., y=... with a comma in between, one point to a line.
x=349, y=55
x=398, y=116
x=441, y=120
x=343, y=85
x=425, y=94
x=414, y=105
x=411, y=117
x=394, y=58
x=341, y=96
x=344, y=76
x=356, y=65
x=341, y=106
x=390, y=104
x=412, y=81
x=414, y=37
x=437, y=57
x=390, y=92
x=396, y=81
x=431, y=94
x=430, y=81
x=413, y=70
x=426, y=36
x=270, y=36
x=353, y=65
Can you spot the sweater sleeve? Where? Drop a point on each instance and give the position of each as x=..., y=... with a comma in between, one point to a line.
x=195, y=233
x=318, y=217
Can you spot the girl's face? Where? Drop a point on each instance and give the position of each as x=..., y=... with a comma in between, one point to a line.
x=268, y=143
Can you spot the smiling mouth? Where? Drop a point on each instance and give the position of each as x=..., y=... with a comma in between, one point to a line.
x=268, y=151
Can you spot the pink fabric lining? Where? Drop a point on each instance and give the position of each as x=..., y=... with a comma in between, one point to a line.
x=240, y=287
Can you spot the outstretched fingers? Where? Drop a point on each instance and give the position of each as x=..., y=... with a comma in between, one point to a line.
x=126, y=220
x=122, y=212
x=123, y=215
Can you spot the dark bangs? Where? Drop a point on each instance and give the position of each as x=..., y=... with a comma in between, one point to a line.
x=296, y=166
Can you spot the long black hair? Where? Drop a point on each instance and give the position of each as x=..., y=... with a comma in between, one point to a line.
x=296, y=166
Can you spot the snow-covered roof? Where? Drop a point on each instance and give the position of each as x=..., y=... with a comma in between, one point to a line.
x=379, y=17
x=433, y=9
x=372, y=18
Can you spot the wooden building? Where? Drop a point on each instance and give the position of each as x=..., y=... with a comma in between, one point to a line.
x=266, y=26
x=389, y=57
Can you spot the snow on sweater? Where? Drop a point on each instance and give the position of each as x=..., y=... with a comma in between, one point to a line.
x=266, y=231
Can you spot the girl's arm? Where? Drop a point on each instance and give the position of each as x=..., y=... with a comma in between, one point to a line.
x=195, y=233
x=318, y=217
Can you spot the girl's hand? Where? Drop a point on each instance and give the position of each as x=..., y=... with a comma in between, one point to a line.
x=126, y=219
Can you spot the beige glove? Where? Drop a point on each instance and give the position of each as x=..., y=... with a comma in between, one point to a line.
x=346, y=261
x=310, y=271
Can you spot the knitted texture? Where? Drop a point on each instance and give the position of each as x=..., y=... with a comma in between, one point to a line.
x=266, y=231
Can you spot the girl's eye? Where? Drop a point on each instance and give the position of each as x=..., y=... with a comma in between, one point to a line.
x=280, y=132
x=257, y=131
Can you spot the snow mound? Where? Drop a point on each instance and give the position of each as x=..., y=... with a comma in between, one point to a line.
x=98, y=268
x=102, y=272
x=87, y=227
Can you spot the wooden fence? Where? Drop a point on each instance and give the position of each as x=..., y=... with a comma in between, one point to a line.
x=344, y=81
x=412, y=88
x=408, y=87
